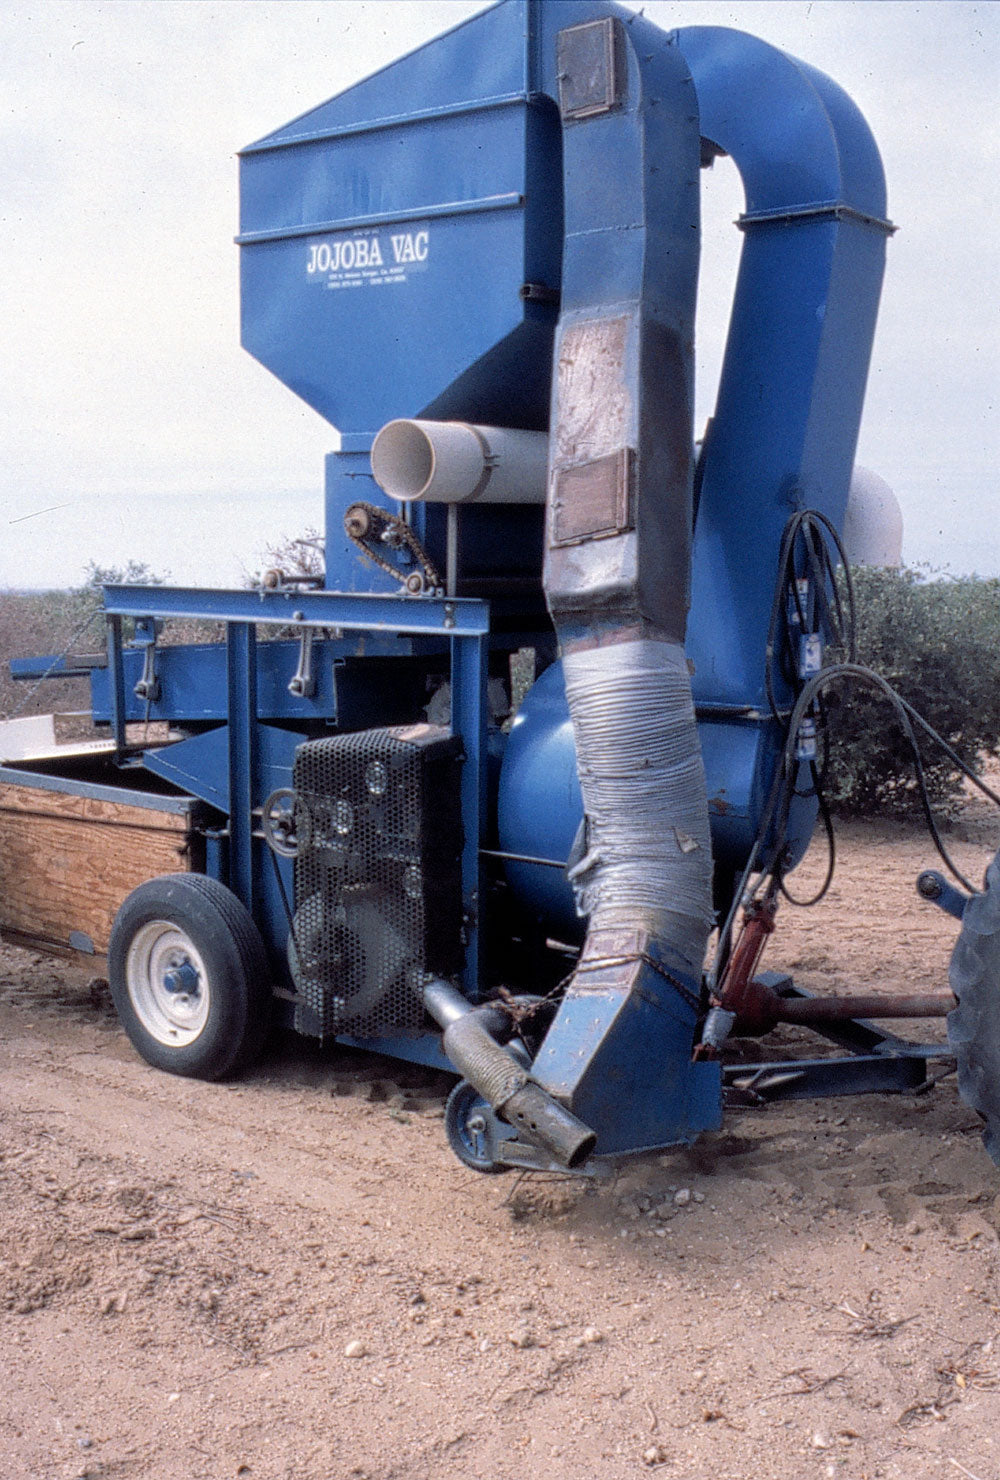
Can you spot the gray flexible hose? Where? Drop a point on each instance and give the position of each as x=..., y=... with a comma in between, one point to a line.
x=648, y=857
x=470, y=1041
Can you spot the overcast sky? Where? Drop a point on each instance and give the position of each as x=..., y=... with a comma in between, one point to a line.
x=132, y=425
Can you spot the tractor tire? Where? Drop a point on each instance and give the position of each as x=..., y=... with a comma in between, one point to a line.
x=189, y=977
x=974, y=1025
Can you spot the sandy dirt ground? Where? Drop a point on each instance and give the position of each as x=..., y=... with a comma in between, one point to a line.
x=292, y=1278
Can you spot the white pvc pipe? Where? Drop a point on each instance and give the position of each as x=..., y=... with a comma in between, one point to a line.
x=452, y=462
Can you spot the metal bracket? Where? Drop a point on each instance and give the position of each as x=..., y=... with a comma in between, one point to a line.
x=303, y=683
x=528, y=1158
x=807, y=1079
x=594, y=499
x=148, y=686
x=591, y=63
x=936, y=888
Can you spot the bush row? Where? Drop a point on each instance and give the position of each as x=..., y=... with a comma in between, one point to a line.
x=937, y=641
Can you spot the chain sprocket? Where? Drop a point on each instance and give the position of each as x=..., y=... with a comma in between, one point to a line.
x=372, y=529
x=974, y=1025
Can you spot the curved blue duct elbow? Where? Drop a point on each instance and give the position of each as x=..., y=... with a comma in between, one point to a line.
x=792, y=386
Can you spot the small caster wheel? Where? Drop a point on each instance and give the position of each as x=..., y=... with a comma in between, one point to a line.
x=469, y=1124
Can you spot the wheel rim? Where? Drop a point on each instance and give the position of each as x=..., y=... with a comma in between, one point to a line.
x=468, y=1111
x=167, y=984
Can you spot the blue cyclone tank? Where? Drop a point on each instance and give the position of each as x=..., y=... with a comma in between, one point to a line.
x=540, y=808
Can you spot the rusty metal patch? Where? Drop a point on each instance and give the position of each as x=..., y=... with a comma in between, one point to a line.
x=594, y=499
x=591, y=63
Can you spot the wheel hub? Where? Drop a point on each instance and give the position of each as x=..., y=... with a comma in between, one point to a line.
x=183, y=978
x=167, y=983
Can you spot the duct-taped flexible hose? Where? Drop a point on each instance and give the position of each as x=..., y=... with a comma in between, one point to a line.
x=647, y=858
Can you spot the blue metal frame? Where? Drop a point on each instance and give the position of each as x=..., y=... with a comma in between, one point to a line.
x=468, y=719
x=241, y=666
x=464, y=622
x=419, y=616
x=462, y=142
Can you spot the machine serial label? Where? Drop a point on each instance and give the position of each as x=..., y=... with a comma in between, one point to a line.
x=368, y=259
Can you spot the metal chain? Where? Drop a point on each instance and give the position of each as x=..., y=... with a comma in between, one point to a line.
x=598, y=963
x=520, y=1012
x=366, y=525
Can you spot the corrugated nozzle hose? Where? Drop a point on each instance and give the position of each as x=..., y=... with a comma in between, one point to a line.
x=471, y=1037
x=617, y=581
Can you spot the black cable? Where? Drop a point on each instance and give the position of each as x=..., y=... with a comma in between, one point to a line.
x=809, y=545
x=907, y=716
x=806, y=546
x=831, y=856
x=284, y=900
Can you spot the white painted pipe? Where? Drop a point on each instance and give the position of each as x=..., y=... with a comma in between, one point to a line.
x=452, y=462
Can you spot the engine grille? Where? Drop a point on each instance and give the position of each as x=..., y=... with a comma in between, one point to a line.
x=378, y=893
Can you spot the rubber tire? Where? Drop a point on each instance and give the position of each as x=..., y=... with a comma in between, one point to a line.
x=974, y=1025
x=223, y=932
x=458, y=1106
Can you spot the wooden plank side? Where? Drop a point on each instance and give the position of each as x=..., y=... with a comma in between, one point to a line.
x=63, y=873
x=35, y=800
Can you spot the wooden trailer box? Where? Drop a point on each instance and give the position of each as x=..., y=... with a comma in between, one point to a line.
x=71, y=850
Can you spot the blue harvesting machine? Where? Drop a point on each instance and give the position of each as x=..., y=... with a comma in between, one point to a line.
x=512, y=787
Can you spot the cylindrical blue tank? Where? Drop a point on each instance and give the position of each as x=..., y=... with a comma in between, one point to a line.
x=539, y=807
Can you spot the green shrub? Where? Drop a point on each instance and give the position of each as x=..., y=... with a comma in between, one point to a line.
x=37, y=624
x=34, y=624
x=937, y=641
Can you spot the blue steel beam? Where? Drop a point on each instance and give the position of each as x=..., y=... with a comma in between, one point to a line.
x=241, y=682
x=117, y=671
x=469, y=721
x=429, y=616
